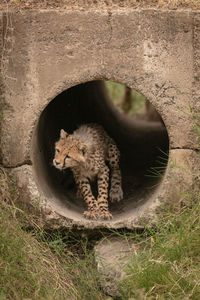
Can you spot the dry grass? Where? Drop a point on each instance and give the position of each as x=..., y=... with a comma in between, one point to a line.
x=169, y=267
x=27, y=268
x=39, y=264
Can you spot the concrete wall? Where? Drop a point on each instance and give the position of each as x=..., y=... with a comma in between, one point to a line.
x=46, y=52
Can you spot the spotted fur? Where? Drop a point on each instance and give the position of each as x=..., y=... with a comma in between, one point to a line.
x=88, y=152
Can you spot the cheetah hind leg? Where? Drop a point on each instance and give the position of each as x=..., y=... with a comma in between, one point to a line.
x=116, y=192
x=102, y=181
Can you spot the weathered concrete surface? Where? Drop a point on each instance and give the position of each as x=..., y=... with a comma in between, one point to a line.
x=46, y=52
x=50, y=51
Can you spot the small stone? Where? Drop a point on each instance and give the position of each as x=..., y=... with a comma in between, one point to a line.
x=112, y=256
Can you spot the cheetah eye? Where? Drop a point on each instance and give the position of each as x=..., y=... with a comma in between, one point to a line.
x=67, y=156
x=57, y=150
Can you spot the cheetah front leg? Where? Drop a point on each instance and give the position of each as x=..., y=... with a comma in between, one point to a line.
x=116, y=192
x=84, y=189
x=103, y=181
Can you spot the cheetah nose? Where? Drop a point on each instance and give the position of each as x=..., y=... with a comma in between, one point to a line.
x=56, y=163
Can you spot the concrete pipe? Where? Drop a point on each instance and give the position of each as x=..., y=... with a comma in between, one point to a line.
x=53, y=64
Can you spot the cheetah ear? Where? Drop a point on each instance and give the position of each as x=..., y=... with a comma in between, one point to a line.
x=83, y=149
x=63, y=134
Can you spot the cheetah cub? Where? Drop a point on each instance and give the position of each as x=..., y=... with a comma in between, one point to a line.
x=87, y=152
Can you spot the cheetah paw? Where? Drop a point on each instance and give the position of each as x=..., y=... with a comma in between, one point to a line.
x=105, y=215
x=92, y=215
x=116, y=194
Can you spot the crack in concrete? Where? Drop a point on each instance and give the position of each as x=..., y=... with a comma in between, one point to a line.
x=25, y=163
x=110, y=24
x=185, y=148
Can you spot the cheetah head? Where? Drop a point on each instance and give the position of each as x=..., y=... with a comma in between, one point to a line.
x=69, y=151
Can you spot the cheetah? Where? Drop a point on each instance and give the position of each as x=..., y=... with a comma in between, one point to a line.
x=91, y=154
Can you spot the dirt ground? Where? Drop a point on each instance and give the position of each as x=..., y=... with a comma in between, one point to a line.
x=94, y=4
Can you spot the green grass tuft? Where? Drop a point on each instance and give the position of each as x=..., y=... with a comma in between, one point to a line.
x=42, y=264
x=169, y=266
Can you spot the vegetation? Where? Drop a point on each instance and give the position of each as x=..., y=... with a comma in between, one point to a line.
x=116, y=92
x=41, y=264
x=169, y=267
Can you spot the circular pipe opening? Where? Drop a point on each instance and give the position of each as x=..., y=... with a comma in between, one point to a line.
x=141, y=138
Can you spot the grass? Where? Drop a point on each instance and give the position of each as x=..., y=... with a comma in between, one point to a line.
x=41, y=264
x=27, y=268
x=169, y=267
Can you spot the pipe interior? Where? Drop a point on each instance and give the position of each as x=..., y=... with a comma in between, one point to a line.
x=143, y=145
